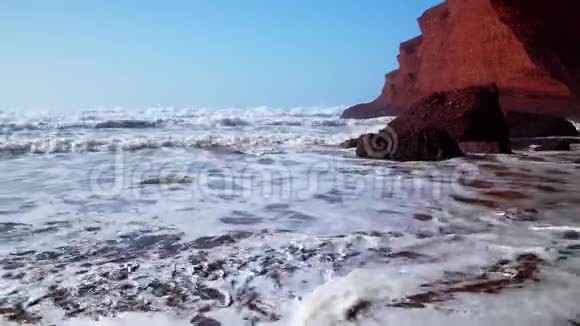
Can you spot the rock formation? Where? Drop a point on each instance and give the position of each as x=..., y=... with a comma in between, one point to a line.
x=549, y=32
x=540, y=144
x=471, y=115
x=523, y=124
x=427, y=144
x=473, y=42
x=434, y=128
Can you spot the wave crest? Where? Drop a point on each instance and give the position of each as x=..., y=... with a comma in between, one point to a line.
x=251, y=143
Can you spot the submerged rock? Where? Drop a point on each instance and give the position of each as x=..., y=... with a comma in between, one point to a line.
x=495, y=279
x=350, y=143
x=561, y=145
x=571, y=235
x=169, y=180
x=19, y=315
x=125, y=124
x=200, y=320
x=363, y=294
x=543, y=144
x=210, y=242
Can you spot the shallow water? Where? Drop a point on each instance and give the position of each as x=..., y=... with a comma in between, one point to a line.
x=278, y=225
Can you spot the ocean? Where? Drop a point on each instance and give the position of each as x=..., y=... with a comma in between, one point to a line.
x=257, y=216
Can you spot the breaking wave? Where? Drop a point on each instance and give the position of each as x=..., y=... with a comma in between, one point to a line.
x=8, y=128
x=246, y=144
x=293, y=237
x=11, y=122
x=254, y=130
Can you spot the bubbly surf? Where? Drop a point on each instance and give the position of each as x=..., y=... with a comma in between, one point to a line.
x=276, y=225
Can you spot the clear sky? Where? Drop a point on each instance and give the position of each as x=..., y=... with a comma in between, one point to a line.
x=212, y=53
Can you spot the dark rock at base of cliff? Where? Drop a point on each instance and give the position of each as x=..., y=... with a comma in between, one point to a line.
x=350, y=143
x=544, y=144
x=471, y=116
x=483, y=147
x=429, y=144
x=369, y=111
x=561, y=145
x=441, y=126
x=522, y=124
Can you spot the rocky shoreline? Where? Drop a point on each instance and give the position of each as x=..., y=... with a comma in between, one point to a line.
x=450, y=124
x=266, y=277
x=155, y=272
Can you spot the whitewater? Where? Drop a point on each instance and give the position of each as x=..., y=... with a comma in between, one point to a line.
x=261, y=218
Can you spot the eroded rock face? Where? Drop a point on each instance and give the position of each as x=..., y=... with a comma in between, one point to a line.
x=553, y=44
x=474, y=42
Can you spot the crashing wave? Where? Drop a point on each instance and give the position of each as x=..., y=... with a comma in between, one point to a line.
x=152, y=116
x=259, y=130
x=252, y=143
x=8, y=128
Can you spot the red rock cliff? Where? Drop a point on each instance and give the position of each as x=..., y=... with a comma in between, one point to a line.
x=473, y=42
x=550, y=32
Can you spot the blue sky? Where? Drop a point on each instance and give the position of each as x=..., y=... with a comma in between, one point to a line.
x=213, y=53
